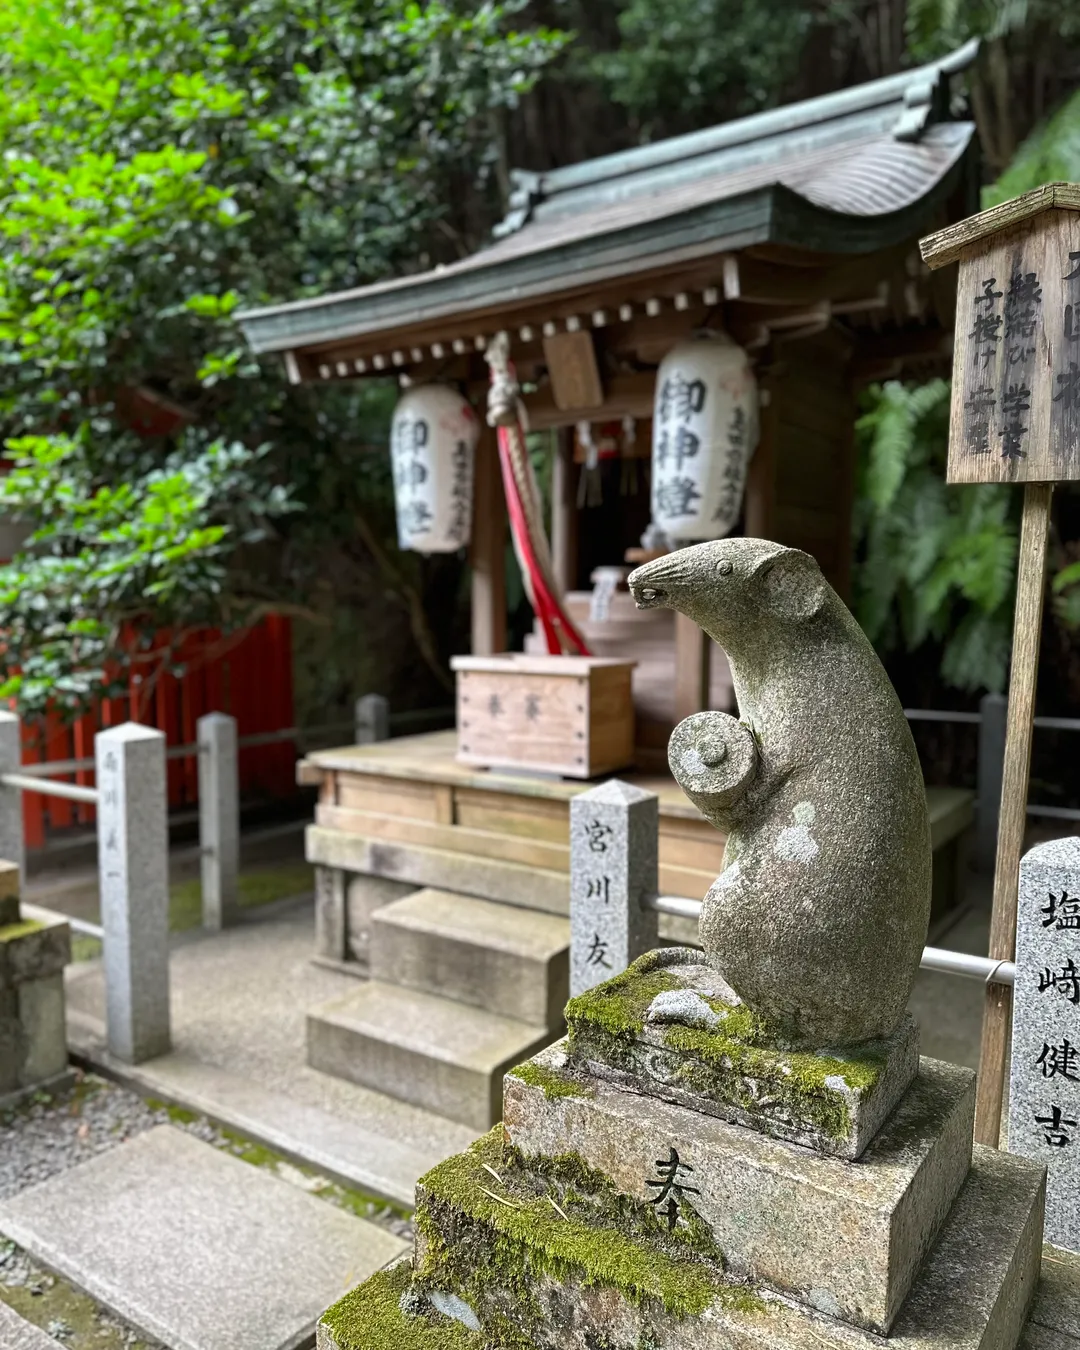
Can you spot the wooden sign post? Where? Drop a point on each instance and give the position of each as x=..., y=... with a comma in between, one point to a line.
x=1015, y=418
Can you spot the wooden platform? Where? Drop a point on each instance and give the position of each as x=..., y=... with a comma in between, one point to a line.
x=412, y=793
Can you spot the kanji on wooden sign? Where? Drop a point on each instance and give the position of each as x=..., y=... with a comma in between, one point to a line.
x=1016, y=385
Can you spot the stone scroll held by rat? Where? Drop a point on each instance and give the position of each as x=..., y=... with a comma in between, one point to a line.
x=818, y=918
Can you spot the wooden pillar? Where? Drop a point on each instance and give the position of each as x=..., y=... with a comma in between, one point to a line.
x=692, y=650
x=564, y=512
x=488, y=555
x=846, y=507
x=760, y=509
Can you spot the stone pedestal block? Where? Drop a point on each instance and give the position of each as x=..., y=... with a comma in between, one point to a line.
x=1044, y=1084
x=33, y=1048
x=553, y=1258
x=773, y=1209
x=670, y=1027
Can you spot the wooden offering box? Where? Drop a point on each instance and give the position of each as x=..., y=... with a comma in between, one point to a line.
x=567, y=715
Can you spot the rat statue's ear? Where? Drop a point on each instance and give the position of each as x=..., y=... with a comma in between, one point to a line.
x=792, y=584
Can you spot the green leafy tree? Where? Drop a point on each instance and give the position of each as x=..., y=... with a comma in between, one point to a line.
x=691, y=63
x=164, y=163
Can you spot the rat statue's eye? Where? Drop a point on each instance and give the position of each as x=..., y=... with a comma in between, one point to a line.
x=724, y=567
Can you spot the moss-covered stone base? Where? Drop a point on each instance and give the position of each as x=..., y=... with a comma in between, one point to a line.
x=371, y=1317
x=833, y=1100
x=545, y=1255
x=492, y=1271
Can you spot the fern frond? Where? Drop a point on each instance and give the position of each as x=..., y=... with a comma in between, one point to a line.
x=1068, y=576
x=890, y=447
x=976, y=655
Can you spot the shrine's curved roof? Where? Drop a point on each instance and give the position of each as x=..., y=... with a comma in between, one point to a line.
x=847, y=173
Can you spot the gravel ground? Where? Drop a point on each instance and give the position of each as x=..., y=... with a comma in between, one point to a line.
x=49, y=1135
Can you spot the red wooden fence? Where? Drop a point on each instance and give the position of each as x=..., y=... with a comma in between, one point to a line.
x=248, y=675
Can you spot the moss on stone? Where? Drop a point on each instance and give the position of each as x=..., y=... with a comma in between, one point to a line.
x=606, y=1023
x=550, y=1081
x=718, y=1064
x=358, y=1202
x=177, y=1114
x=13, y=931
x=253, y=889
x=487, y=1236
x=618, y=1006
x=370, y=1317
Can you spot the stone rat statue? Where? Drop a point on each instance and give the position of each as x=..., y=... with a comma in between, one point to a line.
x=819, y=916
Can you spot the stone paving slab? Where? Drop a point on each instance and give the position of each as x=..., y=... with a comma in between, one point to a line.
x=349, y=1154
x=239, y=1057
x=16, y=1333
x=195, y=1248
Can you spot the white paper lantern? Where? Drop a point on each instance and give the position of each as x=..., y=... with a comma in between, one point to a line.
x=705, y=428
x=432, y=443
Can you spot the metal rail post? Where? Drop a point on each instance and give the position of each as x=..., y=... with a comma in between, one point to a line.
x=372, y=719
x=989, y=770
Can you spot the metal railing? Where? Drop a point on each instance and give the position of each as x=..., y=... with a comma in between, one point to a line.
x=991, y=721
x=933, y=958
x=129, y=764
x=306, y=736
x=132, y=835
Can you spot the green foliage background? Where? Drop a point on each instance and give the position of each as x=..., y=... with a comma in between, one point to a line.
x=164, y=164
x=160, y=161
x=938, y=564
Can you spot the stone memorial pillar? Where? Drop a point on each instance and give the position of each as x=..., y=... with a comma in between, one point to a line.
x=219, y=819
x=12, y=847
x=133, y=863
x=1044, y=1090
x=613, y=868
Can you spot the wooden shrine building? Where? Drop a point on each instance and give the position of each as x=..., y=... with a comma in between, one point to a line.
x=795, y=230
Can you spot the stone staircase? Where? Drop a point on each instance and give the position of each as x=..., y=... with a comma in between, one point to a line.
x=461, y=989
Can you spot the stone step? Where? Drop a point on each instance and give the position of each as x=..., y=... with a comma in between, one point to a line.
x=513, y=962
x=193, y=1247
x=16, y=1333
x=441, y=1055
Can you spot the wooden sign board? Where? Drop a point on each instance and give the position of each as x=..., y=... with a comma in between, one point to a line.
x=1015, y=419
x=1015, y=414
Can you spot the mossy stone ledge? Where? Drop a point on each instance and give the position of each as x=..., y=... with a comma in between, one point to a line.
x=728, y=1065
x=525, y=1247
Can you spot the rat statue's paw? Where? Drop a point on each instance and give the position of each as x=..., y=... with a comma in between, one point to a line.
x=713, y=757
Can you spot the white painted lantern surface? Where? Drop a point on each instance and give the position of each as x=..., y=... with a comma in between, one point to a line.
x=432, y=443
x=705, y=428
